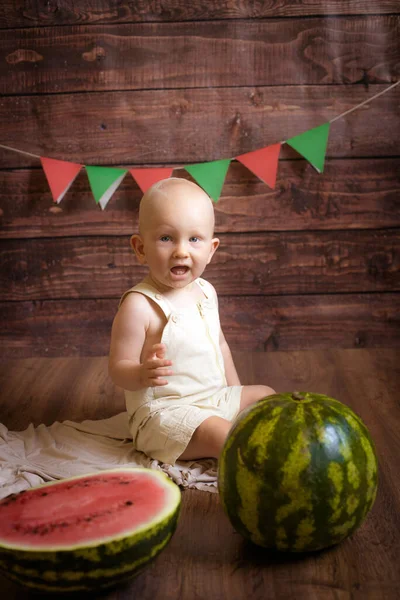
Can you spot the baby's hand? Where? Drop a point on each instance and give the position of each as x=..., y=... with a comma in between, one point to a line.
x=153, y=367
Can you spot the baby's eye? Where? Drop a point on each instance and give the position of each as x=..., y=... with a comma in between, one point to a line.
x=165, y=238
x=194, y=239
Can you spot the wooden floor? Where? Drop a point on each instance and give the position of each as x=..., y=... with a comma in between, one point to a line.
x=206, y=558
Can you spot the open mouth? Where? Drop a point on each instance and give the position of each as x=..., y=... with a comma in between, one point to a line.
x=179, y=270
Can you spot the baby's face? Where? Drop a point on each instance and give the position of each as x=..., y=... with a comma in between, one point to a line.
x=176, y=240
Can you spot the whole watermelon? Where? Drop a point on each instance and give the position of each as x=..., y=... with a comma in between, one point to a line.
x=88, y=532
x=298, y=472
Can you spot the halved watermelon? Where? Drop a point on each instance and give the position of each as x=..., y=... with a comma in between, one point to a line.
x=87, y=532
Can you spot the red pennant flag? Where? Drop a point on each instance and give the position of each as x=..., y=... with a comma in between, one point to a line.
x=60, y=175
x=263, y=163
x=146, y=177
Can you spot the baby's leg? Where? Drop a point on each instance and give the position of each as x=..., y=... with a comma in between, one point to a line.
x=208, y=439
x=253, y=393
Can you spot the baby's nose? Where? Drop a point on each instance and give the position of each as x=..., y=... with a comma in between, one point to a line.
x=180, y=249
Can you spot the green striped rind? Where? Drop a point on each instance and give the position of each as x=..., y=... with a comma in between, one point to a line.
x=96, y=566
x=297, y=475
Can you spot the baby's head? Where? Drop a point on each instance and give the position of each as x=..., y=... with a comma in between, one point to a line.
x=176, y=227
x=177, y=195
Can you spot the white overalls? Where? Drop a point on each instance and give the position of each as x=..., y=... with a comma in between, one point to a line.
x=164, y=418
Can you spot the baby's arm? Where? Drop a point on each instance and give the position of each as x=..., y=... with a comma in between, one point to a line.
x=127, y=340
x=232, y=378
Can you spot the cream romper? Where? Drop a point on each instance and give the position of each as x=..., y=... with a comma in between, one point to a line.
x=164, y=418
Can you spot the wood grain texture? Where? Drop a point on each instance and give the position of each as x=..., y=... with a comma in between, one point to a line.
x=194, y=125
x=350, y=194
x=206, y=558
x=19, y=13
x=245, y=264
x=255, y=323
x=55, y=392
x=231, y=53
x=312, y=263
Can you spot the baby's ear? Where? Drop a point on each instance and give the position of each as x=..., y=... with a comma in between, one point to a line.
x=214, y=246
x=138, y=248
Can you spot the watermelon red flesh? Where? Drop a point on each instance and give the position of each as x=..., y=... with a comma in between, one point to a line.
x=81, y=511
x=89, y=532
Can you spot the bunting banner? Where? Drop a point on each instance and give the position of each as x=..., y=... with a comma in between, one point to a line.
x=311, y=145
x=210, y=176
x=103, y=182
x=263, y=163
x=60, y=176
x=145, y=178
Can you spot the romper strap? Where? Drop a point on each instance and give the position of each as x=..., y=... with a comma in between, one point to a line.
x=153, y=294
x=206, y=288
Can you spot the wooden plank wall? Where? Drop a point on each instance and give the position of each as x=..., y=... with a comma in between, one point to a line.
x=311, y=264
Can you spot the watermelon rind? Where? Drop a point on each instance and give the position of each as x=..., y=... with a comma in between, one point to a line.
x=298, y=472
x=96, y=564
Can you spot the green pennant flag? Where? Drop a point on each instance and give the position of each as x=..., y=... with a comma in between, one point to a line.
x=312, y=145
x=210, y=176
x=103, y=182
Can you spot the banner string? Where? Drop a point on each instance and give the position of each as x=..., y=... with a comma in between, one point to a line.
x=347, y=112
x=19, y=151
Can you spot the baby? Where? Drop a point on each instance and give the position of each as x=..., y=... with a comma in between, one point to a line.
x=167, y=351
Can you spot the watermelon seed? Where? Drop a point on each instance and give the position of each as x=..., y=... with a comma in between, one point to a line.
x=129, y=503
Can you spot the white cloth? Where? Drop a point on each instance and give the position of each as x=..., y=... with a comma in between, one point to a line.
x=40, y=454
